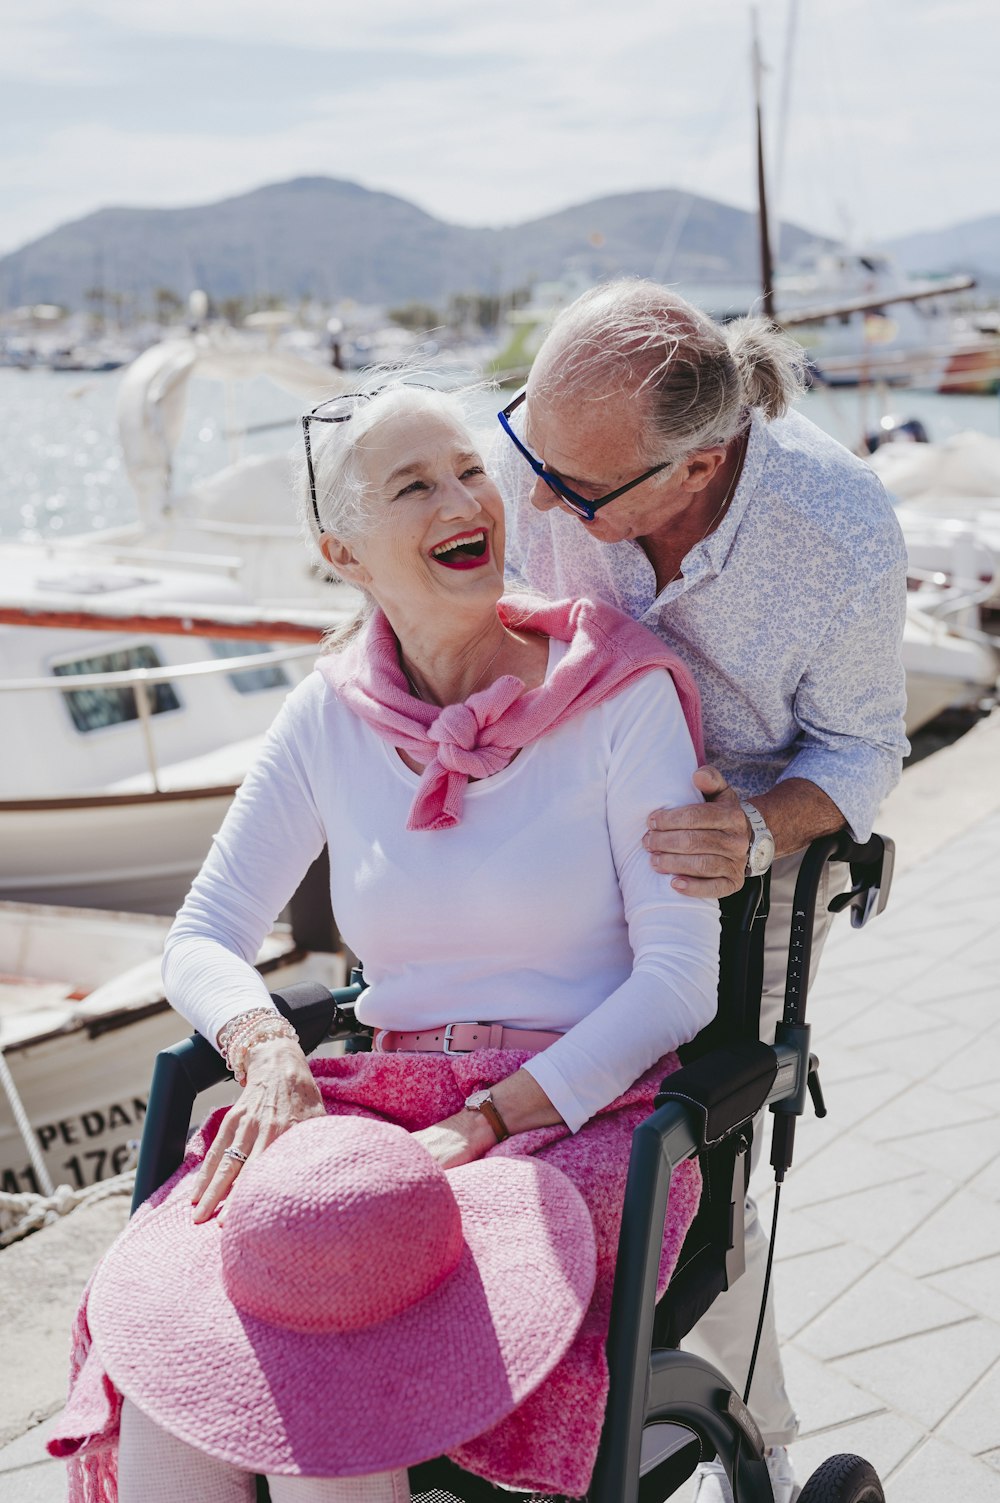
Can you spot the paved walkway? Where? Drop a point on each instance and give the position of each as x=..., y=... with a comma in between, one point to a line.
x=888, y=1262
x=888, y=1257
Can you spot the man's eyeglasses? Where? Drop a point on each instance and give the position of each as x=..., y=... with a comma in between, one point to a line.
x=582, y=506
x=337, y=410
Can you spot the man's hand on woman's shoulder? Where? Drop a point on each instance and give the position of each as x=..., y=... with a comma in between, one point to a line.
x=703, y=847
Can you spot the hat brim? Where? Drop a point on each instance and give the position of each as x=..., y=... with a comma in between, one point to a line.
x=270, y=1400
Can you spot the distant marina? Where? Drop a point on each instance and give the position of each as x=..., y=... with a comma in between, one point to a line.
x=60, y=463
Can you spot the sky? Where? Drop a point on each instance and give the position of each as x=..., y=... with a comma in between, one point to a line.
x=492, y=113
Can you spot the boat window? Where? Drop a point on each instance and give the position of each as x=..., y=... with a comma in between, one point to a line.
x=95, y=709
x=251, y=680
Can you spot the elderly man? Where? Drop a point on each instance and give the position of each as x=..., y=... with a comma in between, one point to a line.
x=653, y=461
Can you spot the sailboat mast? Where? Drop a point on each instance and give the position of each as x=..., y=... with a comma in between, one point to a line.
x=766, y=263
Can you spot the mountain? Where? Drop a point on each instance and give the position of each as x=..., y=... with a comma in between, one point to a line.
x=325, y=238
x=973, y=246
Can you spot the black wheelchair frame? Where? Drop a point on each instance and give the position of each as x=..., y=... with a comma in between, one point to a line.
x=667, y=1409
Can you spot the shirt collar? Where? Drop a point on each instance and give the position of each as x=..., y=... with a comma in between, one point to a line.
x=708, y=557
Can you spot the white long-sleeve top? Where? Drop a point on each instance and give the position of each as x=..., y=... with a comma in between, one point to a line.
x=539, y=909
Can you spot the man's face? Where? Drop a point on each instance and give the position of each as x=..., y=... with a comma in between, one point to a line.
x=594, y=444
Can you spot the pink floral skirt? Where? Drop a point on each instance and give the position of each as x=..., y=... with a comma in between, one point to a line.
x=550, y=1441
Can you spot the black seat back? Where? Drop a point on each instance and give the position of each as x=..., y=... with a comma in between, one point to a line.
x=711, y=1257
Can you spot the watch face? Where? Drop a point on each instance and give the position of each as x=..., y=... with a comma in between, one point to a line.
x=761, y=855
x=475, y=1101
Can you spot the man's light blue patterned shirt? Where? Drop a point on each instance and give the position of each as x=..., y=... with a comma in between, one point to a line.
x=790, y=615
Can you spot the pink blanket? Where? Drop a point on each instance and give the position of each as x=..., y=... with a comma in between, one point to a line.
x=550, y=1441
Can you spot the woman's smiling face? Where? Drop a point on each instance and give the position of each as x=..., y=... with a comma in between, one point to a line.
x=437, y=522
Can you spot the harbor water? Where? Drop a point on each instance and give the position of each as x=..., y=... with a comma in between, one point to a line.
x=61, y=470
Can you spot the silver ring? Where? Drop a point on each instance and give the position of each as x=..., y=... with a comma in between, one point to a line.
x=234, y=1153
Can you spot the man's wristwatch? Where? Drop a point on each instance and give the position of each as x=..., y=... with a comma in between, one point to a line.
x=482, y=1102
x=761, y=852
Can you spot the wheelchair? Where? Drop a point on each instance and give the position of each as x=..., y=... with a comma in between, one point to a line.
x=667, y=1410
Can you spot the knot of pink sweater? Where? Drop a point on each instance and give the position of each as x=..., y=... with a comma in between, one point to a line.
x=475, y=739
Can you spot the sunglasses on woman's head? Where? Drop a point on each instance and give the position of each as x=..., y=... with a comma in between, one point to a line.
x=582, y=506
x=337, y=410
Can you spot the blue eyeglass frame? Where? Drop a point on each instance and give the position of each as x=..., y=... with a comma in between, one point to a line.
x=578, y=504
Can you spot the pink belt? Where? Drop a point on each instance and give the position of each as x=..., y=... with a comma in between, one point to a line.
x=461, y=1038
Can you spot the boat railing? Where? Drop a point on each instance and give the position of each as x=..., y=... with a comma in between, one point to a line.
x=142, y=680
x=936, y=597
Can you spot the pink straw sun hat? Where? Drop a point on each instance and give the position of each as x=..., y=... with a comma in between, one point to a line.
x=358, y=1310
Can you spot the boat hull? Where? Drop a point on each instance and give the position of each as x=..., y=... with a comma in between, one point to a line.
x=135, y=853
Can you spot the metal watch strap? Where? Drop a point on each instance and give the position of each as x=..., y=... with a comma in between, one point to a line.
x=758, y=831
x=489, y=1110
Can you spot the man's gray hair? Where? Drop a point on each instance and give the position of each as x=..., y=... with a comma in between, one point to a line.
x=698, y=377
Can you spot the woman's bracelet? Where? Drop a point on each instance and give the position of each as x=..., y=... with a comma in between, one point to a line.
x=240, y=1036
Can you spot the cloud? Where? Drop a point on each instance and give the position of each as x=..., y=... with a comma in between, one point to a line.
x=493, y=114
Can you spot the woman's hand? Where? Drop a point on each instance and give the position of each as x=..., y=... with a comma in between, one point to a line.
x=468, y=1135
x=460, y=1139
x=279, y=1092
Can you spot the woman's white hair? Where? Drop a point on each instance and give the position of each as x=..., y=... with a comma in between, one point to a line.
x=347, y=509
x=699, y=378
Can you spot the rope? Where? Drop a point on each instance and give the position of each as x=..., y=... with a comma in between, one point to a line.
x=24, y=1213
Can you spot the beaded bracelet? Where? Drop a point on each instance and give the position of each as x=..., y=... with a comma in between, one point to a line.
x=239, y=1037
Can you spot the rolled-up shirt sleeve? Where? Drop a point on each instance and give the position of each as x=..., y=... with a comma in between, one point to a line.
x=851, y=703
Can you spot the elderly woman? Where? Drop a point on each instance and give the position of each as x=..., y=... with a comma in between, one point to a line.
x=481, y=769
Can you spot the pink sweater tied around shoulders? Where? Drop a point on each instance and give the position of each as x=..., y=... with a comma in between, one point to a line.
x=480, y=736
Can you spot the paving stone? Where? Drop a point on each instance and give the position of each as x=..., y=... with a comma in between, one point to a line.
x=966, y=1227
x=879, y=1218
x=43, y=1277
x=984, y=952
x=974, y=1425
x=851, y=1103
x=917, y=1052
x=799, y=1232
x=35, y=1484
x=987, y=1181
x=992, y=1457
x=977, y=1063
x=953, y=1151
x=950, y=990
x=27, y=1450
x=889, y=1020
x=938, y=1473
x=823, y=1397
x=974, y=1284
x=925, y=1376
x=844, y=1167
x=986, y=1094
x=884, y=1305
x=915, y=1109
x=882, y=1439
x=808, y=1284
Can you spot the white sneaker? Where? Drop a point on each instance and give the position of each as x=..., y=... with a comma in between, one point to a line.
x=713, y=1484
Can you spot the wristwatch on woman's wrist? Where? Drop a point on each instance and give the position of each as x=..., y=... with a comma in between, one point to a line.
x=483, y=1103
x=761, y=852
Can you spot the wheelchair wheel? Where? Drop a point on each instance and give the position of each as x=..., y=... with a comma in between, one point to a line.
x=843, y=1479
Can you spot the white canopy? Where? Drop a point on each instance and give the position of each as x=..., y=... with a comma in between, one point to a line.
x=153, y=396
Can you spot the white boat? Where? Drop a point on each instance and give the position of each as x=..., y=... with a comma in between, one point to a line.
x=122, y=748
x=245, y=514
x=946, y=667
x=82, y=1015
x=943, y=491
x=862, y=319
